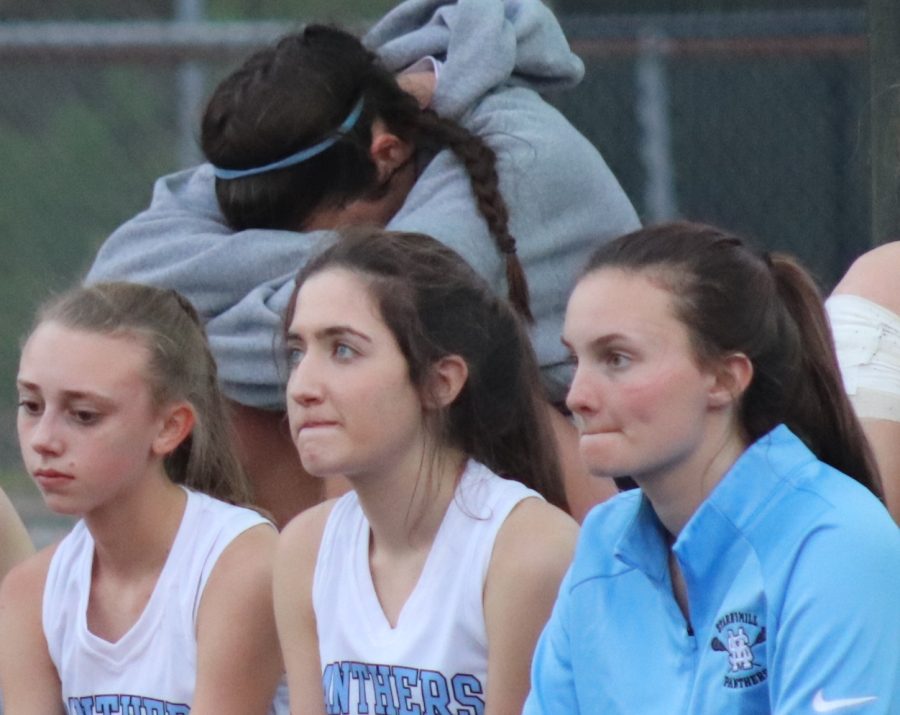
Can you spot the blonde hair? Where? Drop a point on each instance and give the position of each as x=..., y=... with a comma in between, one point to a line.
x=180, y=367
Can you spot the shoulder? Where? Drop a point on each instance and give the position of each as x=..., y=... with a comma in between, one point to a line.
x=520, y=125
x=541, y=154
x=812, y=494
x=22, y=591
x=248, y=557
x=302, y=536
x=531, y=554
x=295, y=565
x=607, y=521
x=532, y=550
x=601, y=530
x=874, y=276
x=222, y=519
x=535, y=535
x=28, y=676
x=825, y=533
x=236, y=538
x=843, y=572
x=27, y=578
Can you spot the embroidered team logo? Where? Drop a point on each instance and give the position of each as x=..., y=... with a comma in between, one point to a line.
x=741, y=637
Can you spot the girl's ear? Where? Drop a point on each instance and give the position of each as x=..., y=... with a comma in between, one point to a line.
x=448, y=377
x=177, y=422
x=388, y=151
x=732, y=378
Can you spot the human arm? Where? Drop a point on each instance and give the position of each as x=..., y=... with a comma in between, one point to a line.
x=873, y=277
x=240, y=282
x=15, y=544
x=531, y=553
x=295, y=564
x=838, y=634
x=238, y=659
x=563, y=202
x=884, y=439
x=28, y=679
x=420, y=82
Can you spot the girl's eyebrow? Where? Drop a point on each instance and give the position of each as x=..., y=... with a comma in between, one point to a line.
x=342, y=330
x=330, y=332
x=600, y=342
x=67, y=394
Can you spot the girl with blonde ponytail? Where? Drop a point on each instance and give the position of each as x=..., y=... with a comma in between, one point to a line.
x=159, y=598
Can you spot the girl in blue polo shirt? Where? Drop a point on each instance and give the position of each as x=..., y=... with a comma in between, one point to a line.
x=749, y=573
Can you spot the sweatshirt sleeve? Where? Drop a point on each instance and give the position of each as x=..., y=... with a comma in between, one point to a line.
x=838, y=636
x=563, y=202
x=552, y=679
x=240, y=282
x=562, y=197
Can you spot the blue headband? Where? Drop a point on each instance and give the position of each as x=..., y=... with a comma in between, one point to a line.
x=301, y=155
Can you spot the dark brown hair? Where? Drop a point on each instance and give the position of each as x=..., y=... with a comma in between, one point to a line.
x=436, y=305
x=296, y=93
x=734, y=299
x=180, y=367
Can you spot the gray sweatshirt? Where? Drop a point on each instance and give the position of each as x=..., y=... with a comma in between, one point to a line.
x=497, y=56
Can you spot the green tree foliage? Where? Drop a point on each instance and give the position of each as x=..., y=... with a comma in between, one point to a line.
x=82, y=145
x=81, y=149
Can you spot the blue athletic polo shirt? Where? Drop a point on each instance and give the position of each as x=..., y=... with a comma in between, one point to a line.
x=793, y=581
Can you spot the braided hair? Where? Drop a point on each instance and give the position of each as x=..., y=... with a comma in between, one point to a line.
x=298, y=92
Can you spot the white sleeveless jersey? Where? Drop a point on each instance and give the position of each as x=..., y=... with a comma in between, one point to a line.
x=151, y=669
x=435, y=659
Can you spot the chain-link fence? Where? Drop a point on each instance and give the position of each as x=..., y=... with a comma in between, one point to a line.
x=755, y=121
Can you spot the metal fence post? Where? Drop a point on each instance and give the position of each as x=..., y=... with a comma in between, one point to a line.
x=654, y=121
x=191, y=81
x=884, y=62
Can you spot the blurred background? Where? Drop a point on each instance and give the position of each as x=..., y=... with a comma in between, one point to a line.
x=754, y=114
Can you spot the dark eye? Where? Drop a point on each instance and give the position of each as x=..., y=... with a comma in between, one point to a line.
x=29, y=406
x=618, y=360
x=85, y=417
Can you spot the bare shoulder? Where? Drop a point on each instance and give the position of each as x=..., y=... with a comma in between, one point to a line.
x=536, y=536
x=28, y=677
x=250, y=551
x=242, y=572
x=303, y=533
x=25, y=581
x=874, y=276
x=531, y=554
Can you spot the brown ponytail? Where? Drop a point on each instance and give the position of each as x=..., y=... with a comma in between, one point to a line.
x=733, y=299
x=481, y=166
x=818, y=409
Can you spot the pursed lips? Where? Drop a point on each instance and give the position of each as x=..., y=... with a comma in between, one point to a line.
x=593, y=431
x=316, y=424
x=51, y=475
